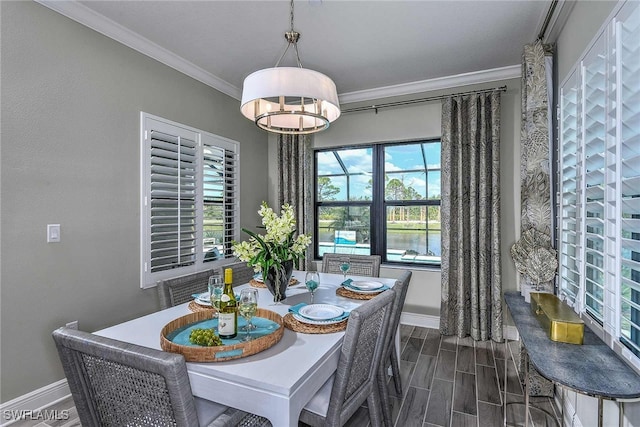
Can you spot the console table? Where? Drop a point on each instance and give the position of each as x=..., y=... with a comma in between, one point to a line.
x=591, y=368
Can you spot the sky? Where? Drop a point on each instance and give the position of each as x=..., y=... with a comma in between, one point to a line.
x=399, y=159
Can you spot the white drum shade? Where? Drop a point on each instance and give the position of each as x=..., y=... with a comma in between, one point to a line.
x=290, y=100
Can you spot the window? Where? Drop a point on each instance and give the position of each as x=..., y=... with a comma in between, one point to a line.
x=599, y=156
x=189, y=199
x=380, y=199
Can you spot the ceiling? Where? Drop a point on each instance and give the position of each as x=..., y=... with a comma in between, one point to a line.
x=362, y=45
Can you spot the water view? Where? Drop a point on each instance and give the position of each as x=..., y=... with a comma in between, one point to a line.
x=402, y=247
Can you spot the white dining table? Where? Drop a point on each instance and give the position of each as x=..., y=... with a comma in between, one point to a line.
x=275, y=383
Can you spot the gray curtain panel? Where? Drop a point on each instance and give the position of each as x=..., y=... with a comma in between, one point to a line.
x=535, y=188
x=295, y=185
x=470, y=210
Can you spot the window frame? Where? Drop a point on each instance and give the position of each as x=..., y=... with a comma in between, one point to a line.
x=378, y=203
x=230, y=203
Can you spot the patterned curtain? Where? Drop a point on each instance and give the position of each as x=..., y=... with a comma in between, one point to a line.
x=535, y=188
x=536, y=142
x=470, y=212
x=295, y=184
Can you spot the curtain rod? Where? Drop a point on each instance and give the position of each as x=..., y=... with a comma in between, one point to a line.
x=416, y=101
x=547, y=19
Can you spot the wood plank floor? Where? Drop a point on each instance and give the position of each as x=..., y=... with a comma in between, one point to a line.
x=448, y=382
x=451, y=382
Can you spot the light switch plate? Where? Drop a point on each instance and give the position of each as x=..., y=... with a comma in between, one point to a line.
x=53, y=233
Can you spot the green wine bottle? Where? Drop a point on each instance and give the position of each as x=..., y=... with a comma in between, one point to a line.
x=228, y=317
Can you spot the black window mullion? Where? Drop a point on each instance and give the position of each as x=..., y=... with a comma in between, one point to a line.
x=378, y=209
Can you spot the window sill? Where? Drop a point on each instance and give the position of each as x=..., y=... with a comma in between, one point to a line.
x=417, y=267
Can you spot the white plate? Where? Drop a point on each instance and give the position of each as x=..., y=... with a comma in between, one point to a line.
x=315, y=322
x=375, y=291
x=367, y=285
x=320, y=311
x=204, y=299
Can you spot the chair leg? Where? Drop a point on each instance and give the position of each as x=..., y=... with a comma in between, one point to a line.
x=395, y=369
x=384, y=397
x=375, y=413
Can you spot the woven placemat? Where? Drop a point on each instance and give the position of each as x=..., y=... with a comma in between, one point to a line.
x=344, y=292
x=257, y=284
x=195, y=307
x=290, y=322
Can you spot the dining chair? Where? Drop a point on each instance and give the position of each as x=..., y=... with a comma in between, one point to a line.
x=361, y=265
x=114, y=383
x=390, y=356
x=242, y=273
x=355, y=380
x=178, y=290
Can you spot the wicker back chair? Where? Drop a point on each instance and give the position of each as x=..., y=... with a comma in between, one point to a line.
x=178, y=290
x=242, y=273
x=361, y=265
x=389, y=356
x=355, y=380
x=116, y=384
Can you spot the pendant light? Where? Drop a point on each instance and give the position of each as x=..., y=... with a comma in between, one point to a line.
x=290, y=100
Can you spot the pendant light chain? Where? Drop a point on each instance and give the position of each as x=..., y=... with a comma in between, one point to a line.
x=292, y=37
x=291, y=14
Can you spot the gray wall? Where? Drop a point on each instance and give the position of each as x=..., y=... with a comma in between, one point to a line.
x=423, y=121
x=71, y=100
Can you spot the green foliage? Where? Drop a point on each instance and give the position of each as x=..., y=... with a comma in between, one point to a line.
x=326, y=190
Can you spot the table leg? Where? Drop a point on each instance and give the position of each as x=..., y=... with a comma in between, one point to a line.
x=621, y=414
x=504, y=397
x=526, y=389
x=600, y=403
x=561, y=405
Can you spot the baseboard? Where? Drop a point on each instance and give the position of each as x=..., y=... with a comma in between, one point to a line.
x=34, y=401
x=433, y=322
x=422, y=320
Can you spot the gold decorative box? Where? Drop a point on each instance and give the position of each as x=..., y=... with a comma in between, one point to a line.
x=557, y=318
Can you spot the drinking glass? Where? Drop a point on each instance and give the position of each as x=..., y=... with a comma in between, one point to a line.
x=247, y=309
x=312, y=281
x=344, y=267
x=216, y=286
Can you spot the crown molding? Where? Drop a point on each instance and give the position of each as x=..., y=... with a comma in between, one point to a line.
x=558, y=20
x=85, y=16
x=484, y=76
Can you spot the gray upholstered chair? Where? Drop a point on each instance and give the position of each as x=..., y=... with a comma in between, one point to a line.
x=356, y=379
x=178, y=290
x=114, y=383
x=361, y=265
x=242, y=273
x=389, y=356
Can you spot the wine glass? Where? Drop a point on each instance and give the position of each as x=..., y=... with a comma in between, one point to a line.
x=247, y=309
x=344, y=267
x=216, y=286
x=312, y=281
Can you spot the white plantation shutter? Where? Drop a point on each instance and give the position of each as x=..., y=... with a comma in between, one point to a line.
x=189, y=211
x=570, y=189
x=173, y=201
x=593, y=138
x=599, y=160
x=628, y=64
x=220, y=176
